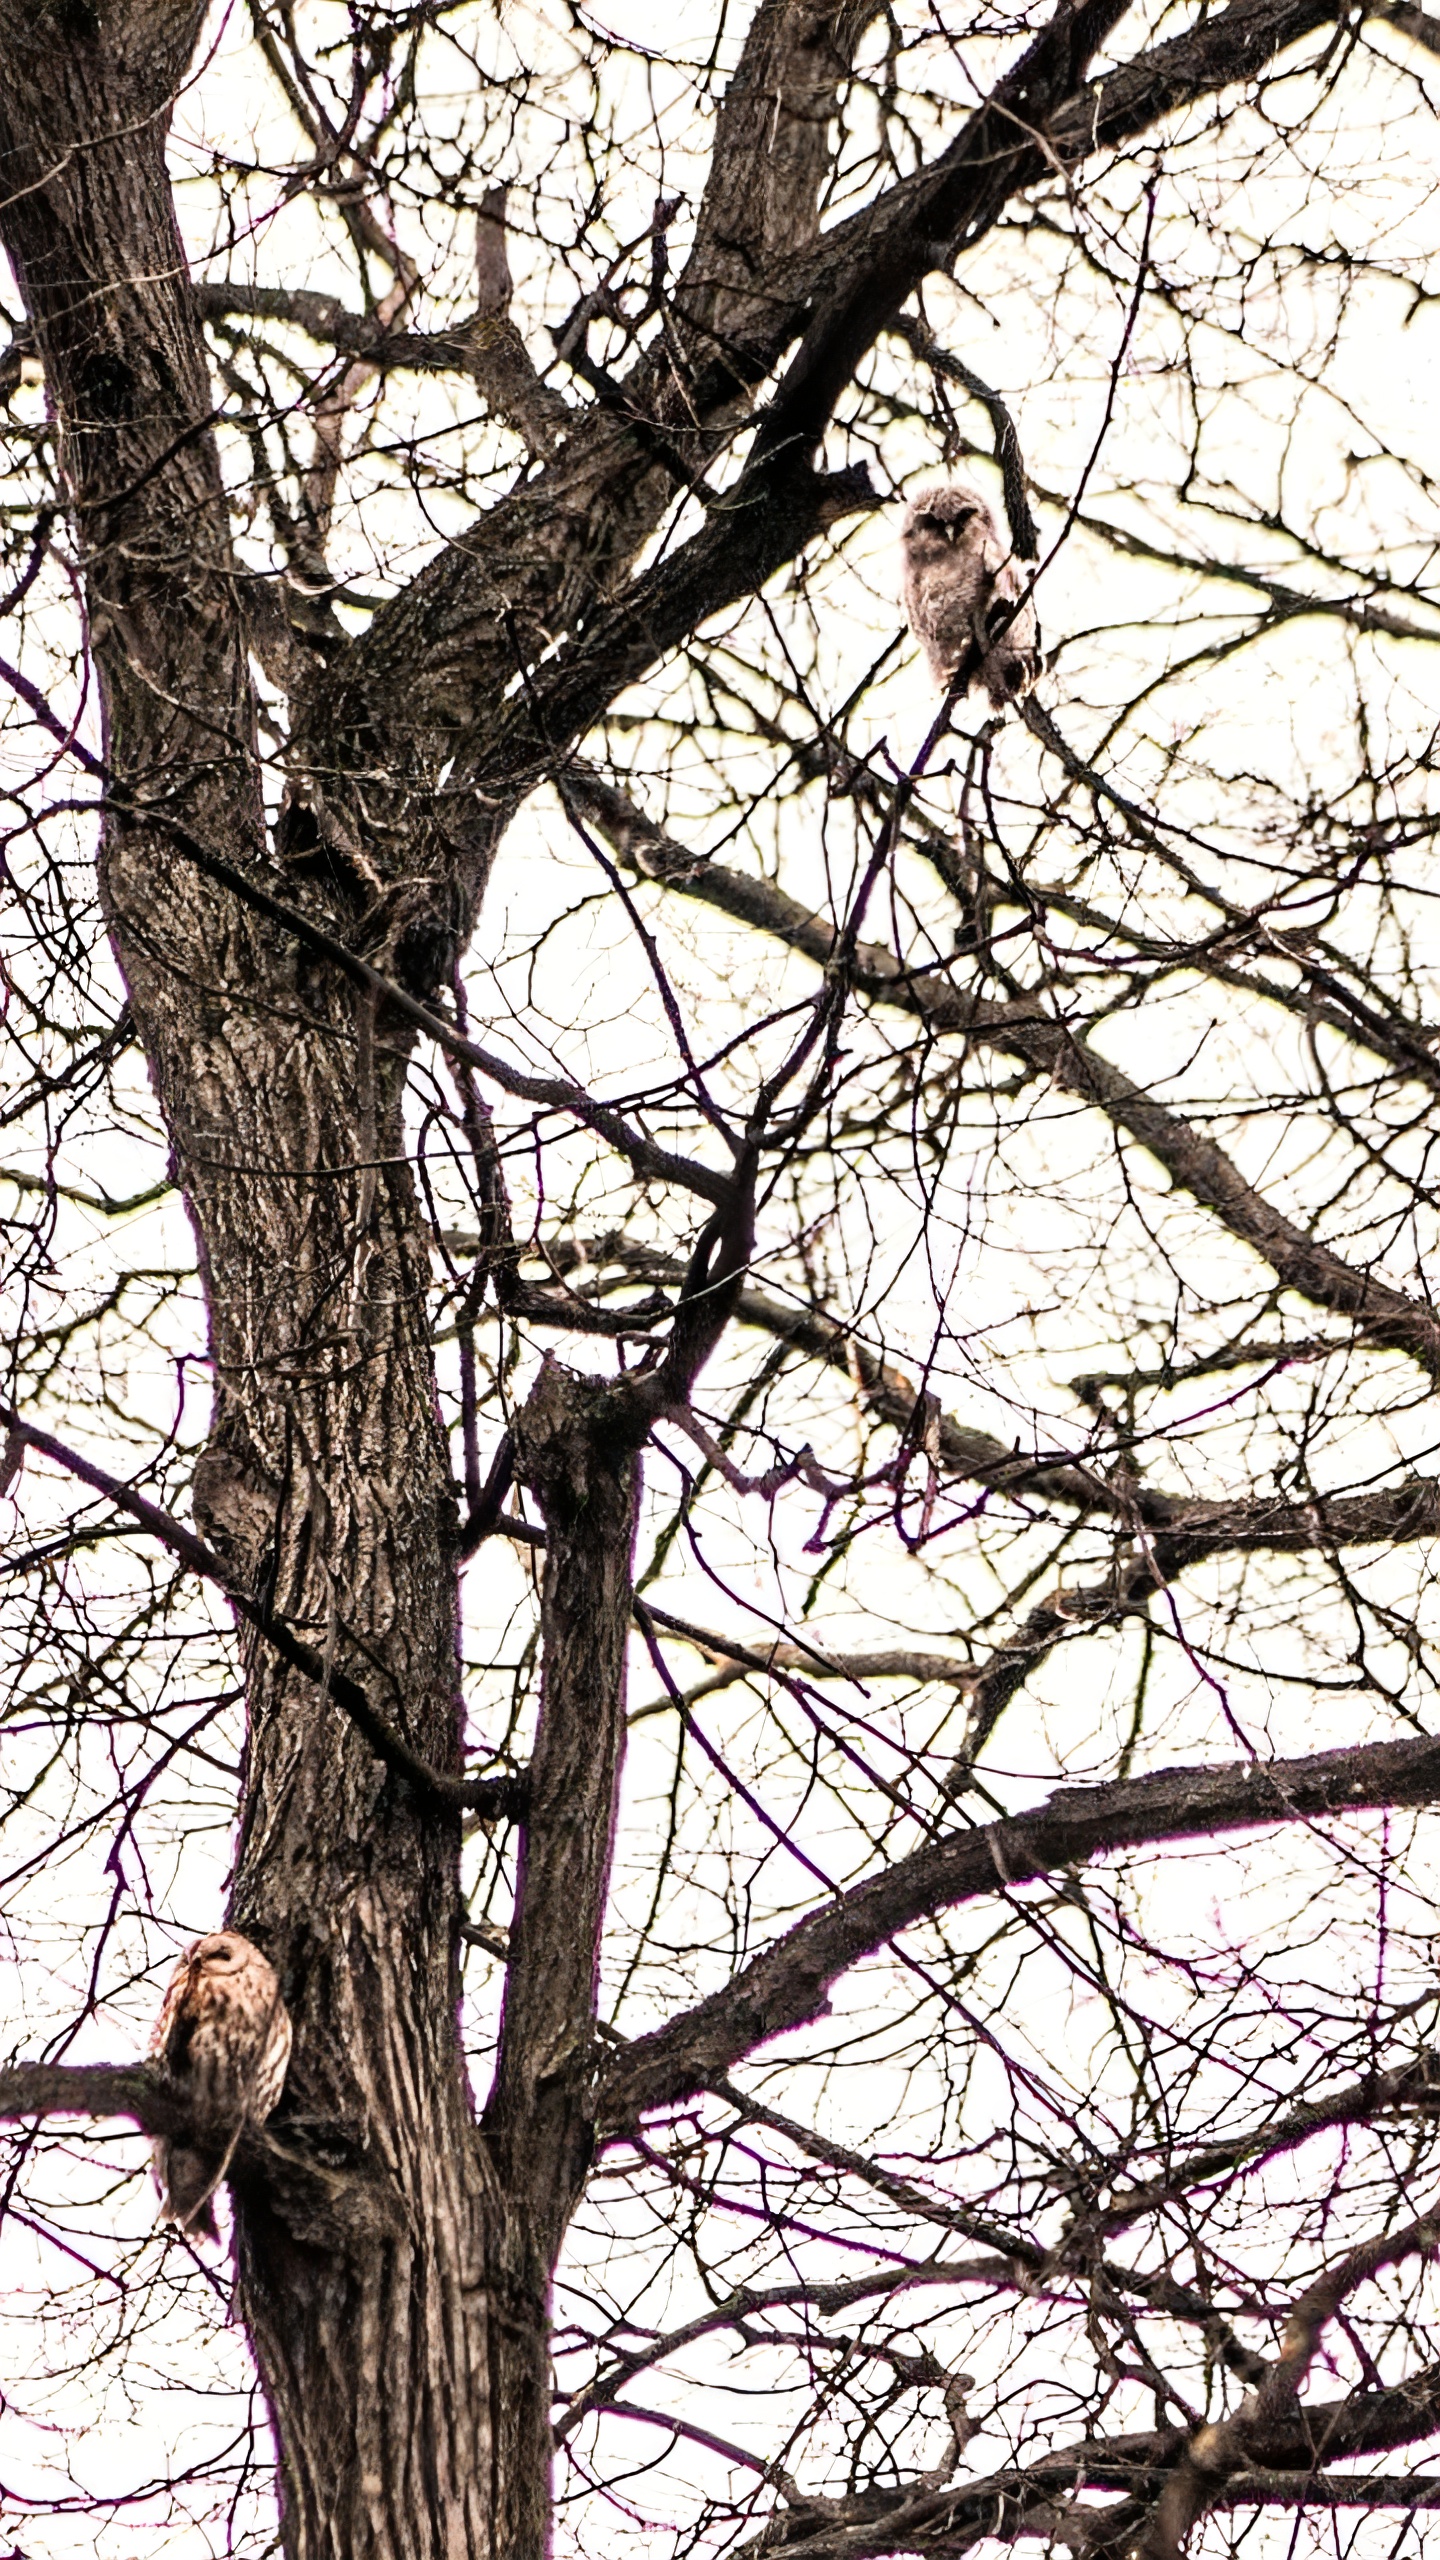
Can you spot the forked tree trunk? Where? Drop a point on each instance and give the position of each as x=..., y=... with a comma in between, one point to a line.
x=395, y=2268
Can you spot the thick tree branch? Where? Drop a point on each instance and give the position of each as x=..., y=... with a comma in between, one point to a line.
x=1221, y=53
x=32, y=2090
x=1228, y=2445
x=1418, y=24
x=787, y=1985
x=496, y=356
x=577, y=1447
x=753, y=530
x=1040, y=2497
x=853, y=283
x=949, y=207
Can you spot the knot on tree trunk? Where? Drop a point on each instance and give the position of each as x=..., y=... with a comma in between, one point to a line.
x=577, y=1440
x=234, y=1502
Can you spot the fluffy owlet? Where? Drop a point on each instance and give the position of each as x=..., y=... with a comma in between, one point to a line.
x=223, y=2038
x=961, y=586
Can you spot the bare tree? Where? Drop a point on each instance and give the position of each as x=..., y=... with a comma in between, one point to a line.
x=904, y=1228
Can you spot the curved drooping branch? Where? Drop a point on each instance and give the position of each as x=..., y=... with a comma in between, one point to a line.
x=1272, y=2410
x=1027, y=1029
x=787, y=1984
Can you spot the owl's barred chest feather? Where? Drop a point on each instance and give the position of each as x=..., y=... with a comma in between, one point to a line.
x=223, y=2051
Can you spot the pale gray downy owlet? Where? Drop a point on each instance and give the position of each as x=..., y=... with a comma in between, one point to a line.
x=223, y=2039
x=961, y=591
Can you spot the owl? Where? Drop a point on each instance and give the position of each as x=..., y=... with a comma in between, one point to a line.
x=223, y=2039
x=961, y=587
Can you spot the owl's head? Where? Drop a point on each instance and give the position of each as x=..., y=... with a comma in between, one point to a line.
x=943, y=519
x=224, y=1952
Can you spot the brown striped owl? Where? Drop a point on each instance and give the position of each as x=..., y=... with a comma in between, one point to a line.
x=961, y=592
x=223, y=2039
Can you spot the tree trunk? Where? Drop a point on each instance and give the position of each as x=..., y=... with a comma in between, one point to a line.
x=397, y=2321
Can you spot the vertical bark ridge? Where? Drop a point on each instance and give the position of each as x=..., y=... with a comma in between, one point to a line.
x=577, y=1449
